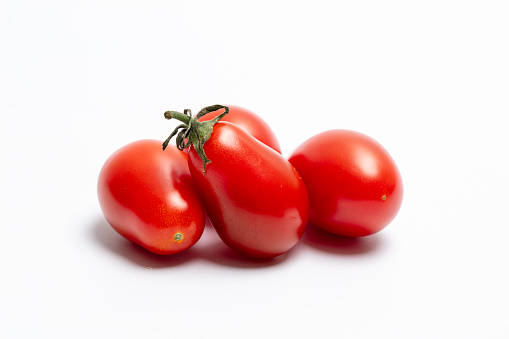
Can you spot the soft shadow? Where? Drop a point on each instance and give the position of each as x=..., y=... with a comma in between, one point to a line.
x=218, y=252
x=113, y=242
x=210, y=247
x=337, y=244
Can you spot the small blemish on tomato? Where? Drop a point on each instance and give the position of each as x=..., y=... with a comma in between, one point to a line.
x=384, y=197
x=178, y=237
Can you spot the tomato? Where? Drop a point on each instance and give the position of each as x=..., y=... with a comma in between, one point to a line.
x=354, y=186
x=253, y=196
x=148, y=196
x=249, y=122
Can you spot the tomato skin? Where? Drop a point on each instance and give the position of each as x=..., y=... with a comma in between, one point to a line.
x=148, y=196
x=355, y=188
x=253, y=196
x=249, y=122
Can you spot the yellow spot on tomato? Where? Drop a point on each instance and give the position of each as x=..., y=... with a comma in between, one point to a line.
x=178, y=236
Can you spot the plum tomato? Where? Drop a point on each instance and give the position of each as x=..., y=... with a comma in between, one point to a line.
x=148, y=196
x=355, y=188
x=253, y=196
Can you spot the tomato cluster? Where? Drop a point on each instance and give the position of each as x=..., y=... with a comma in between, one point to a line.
x=232, y=170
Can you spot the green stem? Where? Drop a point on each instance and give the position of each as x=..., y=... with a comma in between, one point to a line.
x=177, y=115
x=194, y=131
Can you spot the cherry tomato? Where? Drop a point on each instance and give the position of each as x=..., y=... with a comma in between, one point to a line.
x=249, y=122
x=148, y=196
x=354, y=186
x=253, y=196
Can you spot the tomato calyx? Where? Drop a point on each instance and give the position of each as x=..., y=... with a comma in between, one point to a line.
x=192, y=131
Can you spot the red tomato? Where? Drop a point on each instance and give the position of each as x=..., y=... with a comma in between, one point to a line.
x=249, y=122
x=354, y=186
x=253, y=196
x=149, y=197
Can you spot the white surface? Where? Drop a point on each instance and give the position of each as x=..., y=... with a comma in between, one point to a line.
x=428, y=79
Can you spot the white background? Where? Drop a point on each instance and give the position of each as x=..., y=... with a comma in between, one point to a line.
x=427, y=79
